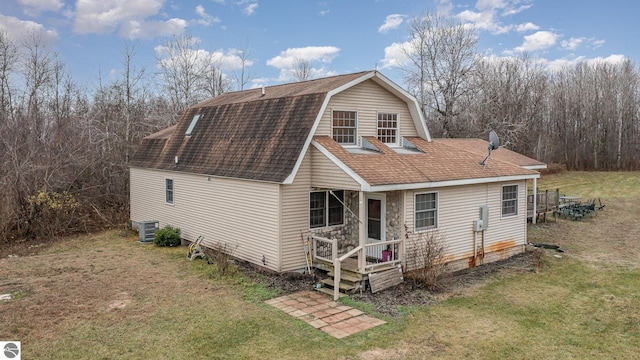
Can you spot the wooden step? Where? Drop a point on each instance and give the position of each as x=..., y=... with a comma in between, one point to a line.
x=348, y=276
x=329, y=292
x=343, y=285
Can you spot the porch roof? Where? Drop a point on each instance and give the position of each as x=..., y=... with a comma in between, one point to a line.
x=438, y=163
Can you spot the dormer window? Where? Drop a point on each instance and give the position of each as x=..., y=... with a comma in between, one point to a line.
x=388, y=128
x=344, y=127
x=192, y=125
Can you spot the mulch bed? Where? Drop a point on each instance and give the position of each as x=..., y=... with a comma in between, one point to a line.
x=408, y=293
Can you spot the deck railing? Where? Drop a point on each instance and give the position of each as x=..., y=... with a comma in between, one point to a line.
x=383, y=254
x=324, y=249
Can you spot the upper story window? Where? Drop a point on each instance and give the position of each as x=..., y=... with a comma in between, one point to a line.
x=388, y=128
x=510, y=200
x=426, y=211
x=168, y=191
x=344, y=127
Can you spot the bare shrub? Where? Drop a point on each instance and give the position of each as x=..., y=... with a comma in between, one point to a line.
x=221, y=255
x=538, y=258
x=428, y=257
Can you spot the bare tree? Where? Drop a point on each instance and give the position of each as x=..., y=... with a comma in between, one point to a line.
x=301, y=69
x=8, y=61
x=441, y=54
x=243, y=75
x=182, y=67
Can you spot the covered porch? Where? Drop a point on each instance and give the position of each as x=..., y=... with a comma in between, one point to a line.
x=369, y=239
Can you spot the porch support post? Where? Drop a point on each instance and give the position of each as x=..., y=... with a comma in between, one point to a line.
x=535, y=200
x=362, y=236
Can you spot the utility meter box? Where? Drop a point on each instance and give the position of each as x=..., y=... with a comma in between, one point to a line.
x=483, y=223
x=478, y=225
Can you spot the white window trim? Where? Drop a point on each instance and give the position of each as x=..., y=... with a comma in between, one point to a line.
x=356, y=137
x=437, y=210
x=326, y=210
x=517, y=199
x=173, y=191
x=396, y=144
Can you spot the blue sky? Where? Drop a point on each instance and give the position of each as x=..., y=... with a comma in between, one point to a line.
x=336, y=37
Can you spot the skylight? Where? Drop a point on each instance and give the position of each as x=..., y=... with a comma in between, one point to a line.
x=194, y=121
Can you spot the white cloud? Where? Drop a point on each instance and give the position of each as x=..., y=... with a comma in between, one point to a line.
x=134, y=29
x=489, y=12
x=559, y=64
x=391, y=23
x=250, y=9
x=527, y=27
x=572, y=43
x=286, y=60
x=206, y=19
x=444, y=7
x=227, y=60
x=597, y=43
x=538, y=41
x=38, y=6
x=394, y=56
x=106, y=16
x=19, y=30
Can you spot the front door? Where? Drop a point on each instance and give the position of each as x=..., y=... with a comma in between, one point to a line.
x=376, y=204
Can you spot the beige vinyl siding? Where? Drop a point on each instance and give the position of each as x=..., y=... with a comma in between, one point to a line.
x=236, y=212
x=295, y=217
x=368, y=99
x=459, y=206
x=326, y=174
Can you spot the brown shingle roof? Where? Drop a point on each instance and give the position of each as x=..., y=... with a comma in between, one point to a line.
x=242, y=134
x=438, y=162
x=480, y=147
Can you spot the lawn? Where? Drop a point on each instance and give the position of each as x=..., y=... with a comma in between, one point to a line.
x=105, y=296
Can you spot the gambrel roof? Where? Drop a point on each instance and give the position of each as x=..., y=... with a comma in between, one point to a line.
x=257, y=134
x=263, y=134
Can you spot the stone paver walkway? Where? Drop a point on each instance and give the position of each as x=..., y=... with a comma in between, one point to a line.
x=325, y=314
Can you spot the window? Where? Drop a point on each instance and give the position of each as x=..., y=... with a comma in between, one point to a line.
x=344, y=127
x=325, y=209
x=510, y=200
x=388, y=128
x=168, y=187
x=426, y=211
x=193, y=123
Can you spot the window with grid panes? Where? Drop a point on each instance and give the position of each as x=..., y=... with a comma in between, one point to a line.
x=344, y=127
x=388, y=128
x=510, y=200
x=426, y=211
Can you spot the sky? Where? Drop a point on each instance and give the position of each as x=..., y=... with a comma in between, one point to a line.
x=334, y=36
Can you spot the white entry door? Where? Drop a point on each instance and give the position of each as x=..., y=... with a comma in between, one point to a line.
x=376, y=210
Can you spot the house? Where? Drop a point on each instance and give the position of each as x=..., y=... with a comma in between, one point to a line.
x=346, y=160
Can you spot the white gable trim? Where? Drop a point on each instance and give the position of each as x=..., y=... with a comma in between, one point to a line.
x=341, y=165
x=414, y=110
x=535, y=167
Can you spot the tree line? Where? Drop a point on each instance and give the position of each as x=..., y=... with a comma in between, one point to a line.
x=584, y=116
x=66, y=147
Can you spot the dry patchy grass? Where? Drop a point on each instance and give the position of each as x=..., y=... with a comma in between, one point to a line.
x=109, y=297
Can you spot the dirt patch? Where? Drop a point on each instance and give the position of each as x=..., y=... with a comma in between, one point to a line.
x=408, y=293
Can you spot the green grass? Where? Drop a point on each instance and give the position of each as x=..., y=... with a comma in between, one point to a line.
x=578, y=306
x=607, y=185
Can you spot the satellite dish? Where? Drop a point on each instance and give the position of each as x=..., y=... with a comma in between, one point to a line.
x=494, y=141
x=494, y=144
